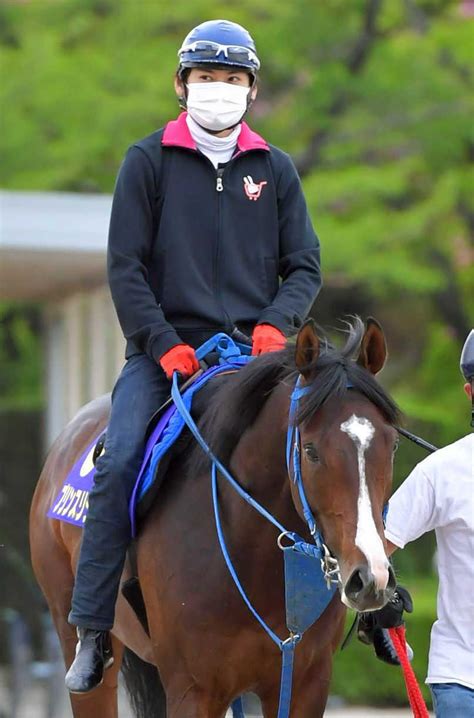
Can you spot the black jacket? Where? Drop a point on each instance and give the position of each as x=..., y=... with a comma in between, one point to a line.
x=193, y=251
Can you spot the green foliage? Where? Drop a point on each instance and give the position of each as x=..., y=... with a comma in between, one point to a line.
x=373, y=100
x=20, y=358
x=360, y=678
x=440, y=369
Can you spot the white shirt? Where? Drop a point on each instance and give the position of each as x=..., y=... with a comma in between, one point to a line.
x=218, y=149
x=439, y=495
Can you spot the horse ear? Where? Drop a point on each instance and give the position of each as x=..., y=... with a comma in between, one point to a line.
x=373, y=350
x=307, y=348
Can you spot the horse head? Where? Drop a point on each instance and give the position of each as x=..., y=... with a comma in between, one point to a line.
x=347, y=441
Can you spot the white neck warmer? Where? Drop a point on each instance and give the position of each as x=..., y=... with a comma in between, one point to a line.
x=218, y=149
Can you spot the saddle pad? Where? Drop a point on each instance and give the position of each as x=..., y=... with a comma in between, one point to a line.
x=72, y=502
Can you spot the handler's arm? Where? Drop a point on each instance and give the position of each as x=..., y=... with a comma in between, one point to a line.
x=129, y=248
x=412, y=510
x=299, y=265
x=391, y=548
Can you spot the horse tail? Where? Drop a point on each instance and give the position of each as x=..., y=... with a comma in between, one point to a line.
x=143, y=685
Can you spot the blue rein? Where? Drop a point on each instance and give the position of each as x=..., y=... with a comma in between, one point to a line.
x=299, y=547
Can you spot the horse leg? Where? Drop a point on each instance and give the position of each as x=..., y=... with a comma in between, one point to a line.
x=52, y=566
x=195, y=707
x=309, y=692
x=309, y=706
x=193, y=702
x=270, y=703
x=311, y=689
x=102, y=701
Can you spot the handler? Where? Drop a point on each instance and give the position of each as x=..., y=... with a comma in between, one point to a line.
x=439, y=495
x=209, y=232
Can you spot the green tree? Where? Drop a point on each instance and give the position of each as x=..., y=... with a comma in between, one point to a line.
x=372, y=98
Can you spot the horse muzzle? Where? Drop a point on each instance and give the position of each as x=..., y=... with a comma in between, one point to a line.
x=362, y=590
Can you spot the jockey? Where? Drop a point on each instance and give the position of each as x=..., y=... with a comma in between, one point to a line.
x=209, y=232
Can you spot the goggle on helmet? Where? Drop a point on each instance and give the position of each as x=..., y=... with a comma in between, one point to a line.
x=219, y=42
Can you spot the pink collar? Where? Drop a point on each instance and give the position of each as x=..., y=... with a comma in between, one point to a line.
x=177, y=134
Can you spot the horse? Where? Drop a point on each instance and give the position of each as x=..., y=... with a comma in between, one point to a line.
x=202, y=648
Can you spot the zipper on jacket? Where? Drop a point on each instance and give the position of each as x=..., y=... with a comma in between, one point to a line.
x=220, y=188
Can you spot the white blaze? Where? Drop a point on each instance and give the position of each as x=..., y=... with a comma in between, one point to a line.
x=367, y=539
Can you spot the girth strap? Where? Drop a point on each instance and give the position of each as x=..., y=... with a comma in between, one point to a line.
x=288, y=655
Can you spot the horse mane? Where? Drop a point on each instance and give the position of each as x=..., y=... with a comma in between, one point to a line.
x=235, y=405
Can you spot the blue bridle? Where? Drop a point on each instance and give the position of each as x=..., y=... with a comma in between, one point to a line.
x=293, y=459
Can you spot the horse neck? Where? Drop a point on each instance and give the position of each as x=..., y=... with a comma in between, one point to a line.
x=259, y=459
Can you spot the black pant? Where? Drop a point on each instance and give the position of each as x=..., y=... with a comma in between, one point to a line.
x=140, y=389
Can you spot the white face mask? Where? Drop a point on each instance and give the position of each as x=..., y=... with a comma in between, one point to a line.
x=217, y=105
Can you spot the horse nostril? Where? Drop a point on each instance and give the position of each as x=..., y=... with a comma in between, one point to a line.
x=356, y=582
x=362, y=592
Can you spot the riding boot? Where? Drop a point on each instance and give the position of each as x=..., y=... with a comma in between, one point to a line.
x=93, y=657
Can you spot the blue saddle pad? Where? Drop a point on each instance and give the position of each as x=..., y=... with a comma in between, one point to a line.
x=72, y=502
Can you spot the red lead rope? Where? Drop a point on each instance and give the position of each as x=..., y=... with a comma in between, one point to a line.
x=417, y=703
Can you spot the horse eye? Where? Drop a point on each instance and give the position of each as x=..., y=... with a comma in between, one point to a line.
x=311, y=453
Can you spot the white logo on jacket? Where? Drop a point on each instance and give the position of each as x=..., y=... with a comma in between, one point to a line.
x=252, y=189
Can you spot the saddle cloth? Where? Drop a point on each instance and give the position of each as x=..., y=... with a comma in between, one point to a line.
x=72, y=502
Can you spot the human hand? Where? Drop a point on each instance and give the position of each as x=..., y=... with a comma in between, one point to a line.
x=181, y=358
x=372, y=626
x=266, y=338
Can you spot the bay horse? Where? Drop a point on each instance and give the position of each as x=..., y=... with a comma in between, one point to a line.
x=203, y=647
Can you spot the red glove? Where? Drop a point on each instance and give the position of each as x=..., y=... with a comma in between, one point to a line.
x=180, y=358
x=266, y=338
